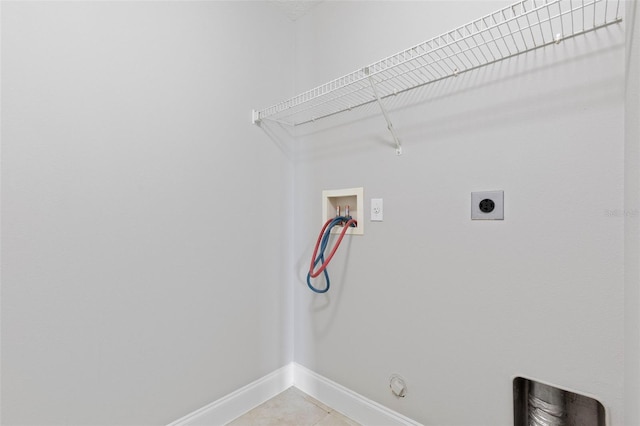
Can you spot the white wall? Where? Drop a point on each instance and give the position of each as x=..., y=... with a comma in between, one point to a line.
x=632, y=215
x=137, y=285
x=459, y=307
x=146, y=233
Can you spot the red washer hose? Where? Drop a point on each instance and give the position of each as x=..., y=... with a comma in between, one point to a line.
x=324, y=265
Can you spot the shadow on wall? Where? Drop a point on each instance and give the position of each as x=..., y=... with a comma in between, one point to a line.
x=327, y=138
x=326, y=303
x=282, y=137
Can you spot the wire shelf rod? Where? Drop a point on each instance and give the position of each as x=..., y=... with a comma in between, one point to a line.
x=486, y=43
x=349, y=106
x=496, y=36
x=440, y=58
x=349, y=78
x=445, y=77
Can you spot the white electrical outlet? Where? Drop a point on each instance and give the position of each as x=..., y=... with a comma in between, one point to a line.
x=376, y=210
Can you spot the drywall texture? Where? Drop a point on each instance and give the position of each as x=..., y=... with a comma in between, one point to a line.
x=459, y=308
x=146, y=223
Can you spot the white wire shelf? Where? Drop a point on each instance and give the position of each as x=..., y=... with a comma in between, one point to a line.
x=513, y=30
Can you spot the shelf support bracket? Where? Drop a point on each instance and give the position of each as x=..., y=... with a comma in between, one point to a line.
x=255, y=117
x=385, y=114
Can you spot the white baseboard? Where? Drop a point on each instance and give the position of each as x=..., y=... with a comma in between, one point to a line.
x=237, y=403
x=343, y=400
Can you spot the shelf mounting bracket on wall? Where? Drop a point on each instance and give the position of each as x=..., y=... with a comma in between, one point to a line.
x=384, y=113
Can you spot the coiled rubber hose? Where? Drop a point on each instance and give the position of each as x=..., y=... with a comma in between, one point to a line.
x=321, y=247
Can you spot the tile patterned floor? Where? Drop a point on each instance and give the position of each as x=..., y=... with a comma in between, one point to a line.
x=293, y=408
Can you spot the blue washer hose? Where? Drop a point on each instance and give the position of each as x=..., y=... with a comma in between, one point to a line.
x=323, y=247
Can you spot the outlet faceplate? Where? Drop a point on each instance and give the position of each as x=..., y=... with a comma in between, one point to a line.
x=487, y=205
x=352, y=197
x=376, y=210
